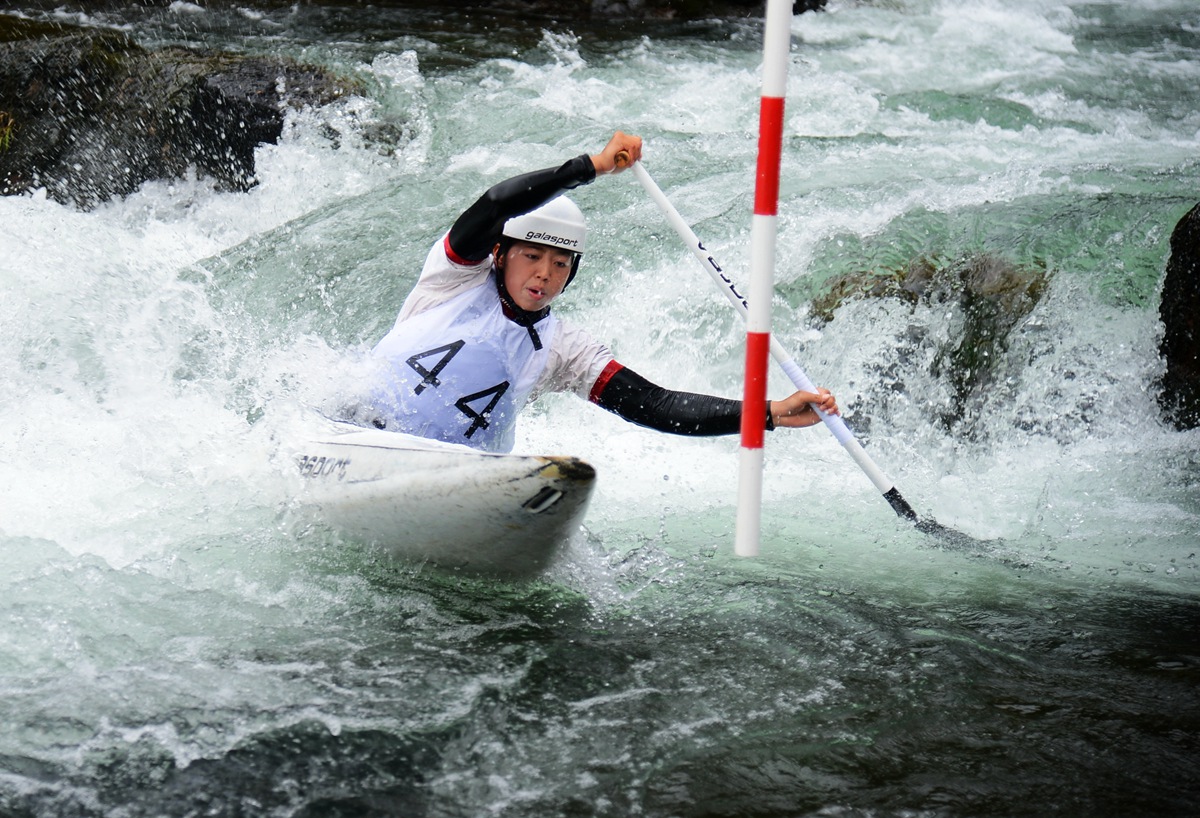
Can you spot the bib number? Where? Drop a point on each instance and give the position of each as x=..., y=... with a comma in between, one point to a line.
x=469, y=405
x=429, y=377
x=480, y=418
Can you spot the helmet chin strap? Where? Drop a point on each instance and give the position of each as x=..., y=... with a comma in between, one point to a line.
x=519, y=316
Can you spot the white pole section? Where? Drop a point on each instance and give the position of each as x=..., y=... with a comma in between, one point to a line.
x=777, y=39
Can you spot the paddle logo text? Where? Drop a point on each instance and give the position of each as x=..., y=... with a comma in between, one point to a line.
x=721, y=274
x=313, y=466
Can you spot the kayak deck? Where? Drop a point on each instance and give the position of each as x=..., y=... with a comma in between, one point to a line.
x=425, y=501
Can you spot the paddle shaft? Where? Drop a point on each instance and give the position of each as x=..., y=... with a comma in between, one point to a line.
x=792, y=369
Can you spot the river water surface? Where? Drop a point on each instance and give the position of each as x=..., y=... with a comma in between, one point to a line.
x=174, y=640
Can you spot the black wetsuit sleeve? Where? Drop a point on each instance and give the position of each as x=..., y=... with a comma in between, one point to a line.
x=638, y=400
x=477, y=230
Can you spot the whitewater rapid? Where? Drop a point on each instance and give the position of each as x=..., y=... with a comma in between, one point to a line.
x=176, y=639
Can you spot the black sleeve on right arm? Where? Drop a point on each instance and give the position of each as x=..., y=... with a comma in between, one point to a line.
x=636, y=399
x=477, y=230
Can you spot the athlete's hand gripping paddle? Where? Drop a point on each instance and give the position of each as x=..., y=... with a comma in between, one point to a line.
x=797, y=376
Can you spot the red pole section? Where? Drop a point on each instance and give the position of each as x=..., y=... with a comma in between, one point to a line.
x=777, y=36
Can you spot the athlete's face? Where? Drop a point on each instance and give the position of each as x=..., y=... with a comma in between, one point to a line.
x=534, y=273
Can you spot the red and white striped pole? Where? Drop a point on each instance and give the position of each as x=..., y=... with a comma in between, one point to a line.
x=777, y=38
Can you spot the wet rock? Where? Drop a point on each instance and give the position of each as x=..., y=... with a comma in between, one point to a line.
x=89, y=114
x=682, y=9
x=1179, y=396
x=986, y=298
x=617, y=9
x=993, y=296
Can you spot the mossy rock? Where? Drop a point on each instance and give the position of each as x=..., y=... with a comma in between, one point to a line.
x=983, y=278
x=90, y=114
x=987, y=295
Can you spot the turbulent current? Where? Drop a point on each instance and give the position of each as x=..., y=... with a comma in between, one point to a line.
x=174, y=640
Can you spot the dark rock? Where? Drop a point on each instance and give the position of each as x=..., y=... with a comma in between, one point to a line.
x=89, y=114
x=240, y=105
x=993, y=296
x=620, y=11
x=597, y=9
x=1179, y=396
x=684, y=9
x=987, y=298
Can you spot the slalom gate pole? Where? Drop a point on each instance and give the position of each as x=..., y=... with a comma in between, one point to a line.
x=799, y=379
x=777, y=35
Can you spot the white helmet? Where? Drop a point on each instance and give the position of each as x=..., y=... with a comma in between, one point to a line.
x=557, y=223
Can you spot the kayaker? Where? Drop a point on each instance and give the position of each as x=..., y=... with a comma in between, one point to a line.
x=475, y=340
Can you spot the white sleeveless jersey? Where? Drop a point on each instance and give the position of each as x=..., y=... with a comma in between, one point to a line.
x=458, y=370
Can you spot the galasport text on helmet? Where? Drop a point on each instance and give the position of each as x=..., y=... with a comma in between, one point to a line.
x=558, y=223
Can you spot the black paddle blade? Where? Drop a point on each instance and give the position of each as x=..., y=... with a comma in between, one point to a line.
x=950, y=537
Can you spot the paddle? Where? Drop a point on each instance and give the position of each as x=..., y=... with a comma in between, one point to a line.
x=833, y=422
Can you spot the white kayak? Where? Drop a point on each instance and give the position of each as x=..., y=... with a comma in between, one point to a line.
x=426, y=501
